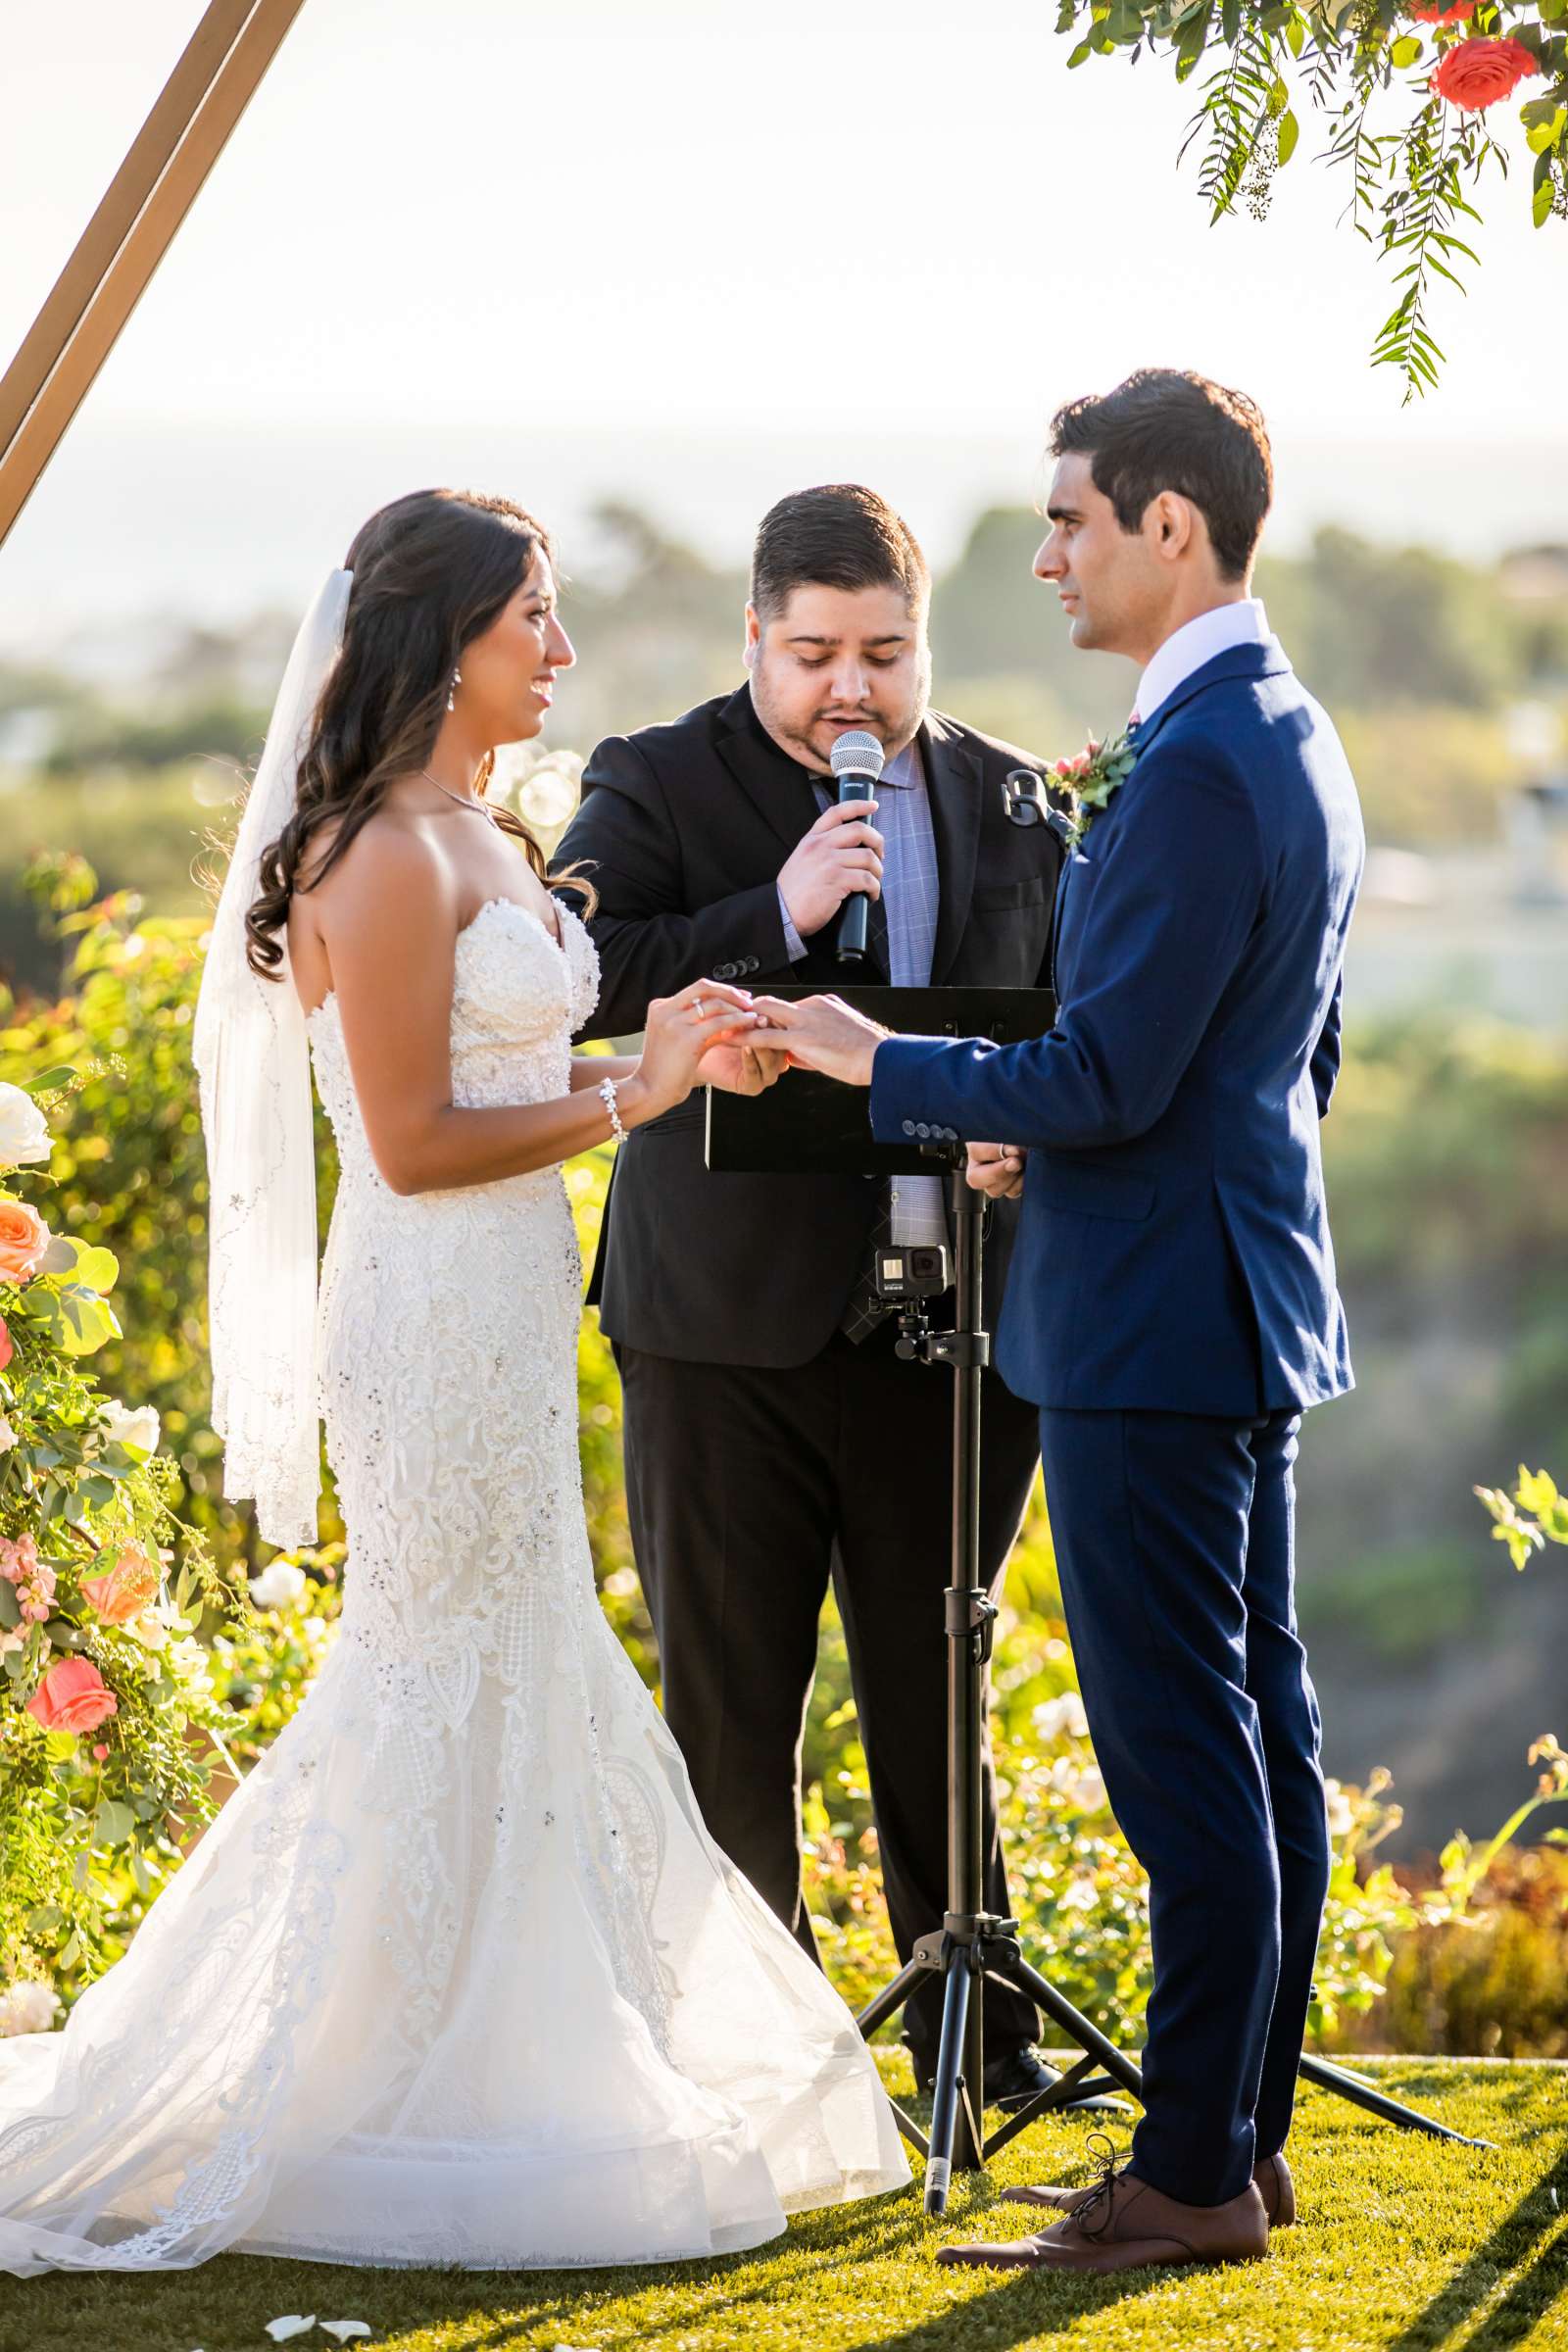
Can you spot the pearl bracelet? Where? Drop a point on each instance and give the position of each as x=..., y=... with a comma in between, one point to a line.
x=607, y=1095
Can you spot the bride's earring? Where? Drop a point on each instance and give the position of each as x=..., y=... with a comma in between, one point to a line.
x=451, y=690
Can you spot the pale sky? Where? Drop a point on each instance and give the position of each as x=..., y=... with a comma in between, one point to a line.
x=698, y=254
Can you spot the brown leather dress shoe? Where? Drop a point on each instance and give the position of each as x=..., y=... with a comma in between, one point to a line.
x=1123, y=2224
x=1271, y=2178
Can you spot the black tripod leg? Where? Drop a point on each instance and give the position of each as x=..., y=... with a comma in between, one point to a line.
x=1077, y=2028
x=1361, y=2094
x=945, y=2117
x=890, y=1999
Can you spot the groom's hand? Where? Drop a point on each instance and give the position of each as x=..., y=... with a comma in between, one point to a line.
x=821, y=1033
x=996, y=1170
x=742, y=1069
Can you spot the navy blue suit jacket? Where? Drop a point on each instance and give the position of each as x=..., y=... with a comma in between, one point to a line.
x=1173, y=1253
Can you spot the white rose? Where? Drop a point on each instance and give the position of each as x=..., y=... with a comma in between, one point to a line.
x=137, y=1430
x=27, y=2008
x=278, y=1586
x=24, y=1129
x=7, y=1436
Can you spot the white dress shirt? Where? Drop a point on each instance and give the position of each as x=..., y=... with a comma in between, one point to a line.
x=1196, y=642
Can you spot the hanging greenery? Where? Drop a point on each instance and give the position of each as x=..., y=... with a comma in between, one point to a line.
x=1404, y=92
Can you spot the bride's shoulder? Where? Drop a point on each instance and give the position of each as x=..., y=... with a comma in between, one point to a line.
x=386, y=860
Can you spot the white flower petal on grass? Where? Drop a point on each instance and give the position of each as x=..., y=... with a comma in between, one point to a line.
x=344, y=2328
x=291, y=2325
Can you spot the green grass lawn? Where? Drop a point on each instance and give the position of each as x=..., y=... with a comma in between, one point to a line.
x=1405, y=2244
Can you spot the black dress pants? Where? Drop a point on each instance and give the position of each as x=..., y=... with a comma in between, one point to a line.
x=748, y=1488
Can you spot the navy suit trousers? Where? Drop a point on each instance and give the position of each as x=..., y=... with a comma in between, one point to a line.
x=1174, y=1536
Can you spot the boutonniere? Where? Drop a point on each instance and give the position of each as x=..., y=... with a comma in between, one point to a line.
x=1098, y=770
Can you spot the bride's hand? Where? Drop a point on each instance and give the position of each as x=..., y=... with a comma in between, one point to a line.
x=681, y=1030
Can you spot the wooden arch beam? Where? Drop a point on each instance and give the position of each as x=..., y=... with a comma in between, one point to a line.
x=129, y=235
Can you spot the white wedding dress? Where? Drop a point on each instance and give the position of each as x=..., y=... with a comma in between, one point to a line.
x=458, y=1974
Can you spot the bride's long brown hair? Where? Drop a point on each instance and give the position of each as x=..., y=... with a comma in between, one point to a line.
x=431, y=572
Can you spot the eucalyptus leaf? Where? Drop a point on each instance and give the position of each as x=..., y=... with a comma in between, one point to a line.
x=51, y=1080
x=1405, y=50
x=9, y=1605
x=63, y=1634
x=1289, y=133
x=113, y=1823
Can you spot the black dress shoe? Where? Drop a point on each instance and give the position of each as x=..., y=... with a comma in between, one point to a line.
x=1016, y=2077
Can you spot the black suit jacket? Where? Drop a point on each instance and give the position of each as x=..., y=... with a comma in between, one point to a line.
x=684, y=828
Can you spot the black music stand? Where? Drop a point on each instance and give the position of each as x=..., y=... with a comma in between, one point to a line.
x=810, y=1125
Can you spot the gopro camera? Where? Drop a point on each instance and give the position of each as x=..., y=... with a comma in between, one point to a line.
x=911, y=1270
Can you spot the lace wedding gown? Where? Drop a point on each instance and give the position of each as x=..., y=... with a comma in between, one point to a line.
x=458, y=1974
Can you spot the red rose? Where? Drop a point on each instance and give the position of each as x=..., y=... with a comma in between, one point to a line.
x=72, y=1697
x=1433, y=12
x=1477, y=73
x=6, y=1349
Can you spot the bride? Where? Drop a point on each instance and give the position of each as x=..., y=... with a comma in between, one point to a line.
x=458, y=1974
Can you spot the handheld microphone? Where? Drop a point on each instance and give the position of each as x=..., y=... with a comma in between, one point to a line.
x=856, y=760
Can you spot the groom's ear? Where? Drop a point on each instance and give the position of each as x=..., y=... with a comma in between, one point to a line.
x=753, y=636
x=1172, y=523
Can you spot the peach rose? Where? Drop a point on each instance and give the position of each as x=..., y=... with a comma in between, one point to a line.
x=24, y=1239
x=72, y=1697
x=1477, y=73
x=126, y=1587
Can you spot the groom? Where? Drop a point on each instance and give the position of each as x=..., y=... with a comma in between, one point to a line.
x=1171, y=1306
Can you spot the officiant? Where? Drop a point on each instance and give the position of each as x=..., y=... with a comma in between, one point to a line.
x=773, y=1440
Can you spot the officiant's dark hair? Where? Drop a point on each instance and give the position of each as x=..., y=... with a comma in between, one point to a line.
x=1166, y=429
x=431, y=572
x=839, y=535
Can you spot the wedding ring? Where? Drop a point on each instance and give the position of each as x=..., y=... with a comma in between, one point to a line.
x=700, y=1009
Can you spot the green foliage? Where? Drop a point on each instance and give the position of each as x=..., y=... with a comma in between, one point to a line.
x=1494, y=1982
x=106, y=1711
x=1359, y=64
x=1528, y=1518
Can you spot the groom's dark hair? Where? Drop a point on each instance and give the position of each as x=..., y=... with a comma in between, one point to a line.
x=1166, y=429
x=840, y=535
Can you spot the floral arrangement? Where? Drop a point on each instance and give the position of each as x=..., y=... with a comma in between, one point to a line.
x=1091, y=777
x=107, y=1716
x=1405, y=91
